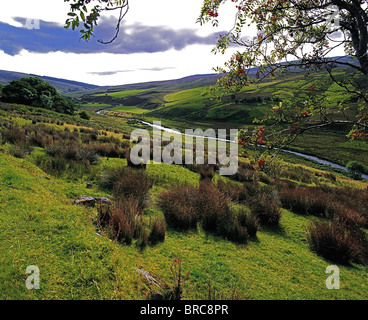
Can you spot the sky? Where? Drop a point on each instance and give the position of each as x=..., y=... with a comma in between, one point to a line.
x=158, y=40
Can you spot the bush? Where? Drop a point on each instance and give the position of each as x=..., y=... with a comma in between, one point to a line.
x=213, y=208
x=232, y=190
x=333, y=242
x=20, y=150
x=356, y=169
x=158, y=231
x=308, y=200
x=248, y=220
x=265, y=209
x=121, y=219
x=179, y=207
x=124, y=182
x=84, y=115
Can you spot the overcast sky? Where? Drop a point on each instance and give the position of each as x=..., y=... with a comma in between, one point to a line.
x=159, y=40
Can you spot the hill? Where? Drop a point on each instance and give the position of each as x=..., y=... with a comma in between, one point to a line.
x=62, y=85
x=182, y=104
x=79, y=257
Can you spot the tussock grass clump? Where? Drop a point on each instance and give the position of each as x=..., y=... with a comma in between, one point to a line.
x=106, y=150
x=186, y=206
x=125, y=181
x=265, y=208
x=124, y=221
x=327, y=202
x=307, y=200
x=158, y=231
x=248, y=220
x=244, y=173
x=179, y=207
x=232, y=190
x=213, y=209
x=20, y=150
x=334, y=242
x=14, y=135
x=348, y=217
x=206, y=172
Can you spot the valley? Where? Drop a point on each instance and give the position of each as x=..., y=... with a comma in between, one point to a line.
x=254, y=235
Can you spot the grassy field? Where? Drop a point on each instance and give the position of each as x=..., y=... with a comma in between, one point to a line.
x=49, y=160
x=92, y=107
x=120, y=94
x=40, y=225
x=129, y=109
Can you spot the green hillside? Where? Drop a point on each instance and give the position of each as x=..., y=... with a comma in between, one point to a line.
x=62, y=85
x=48, y=160
x=190, y=107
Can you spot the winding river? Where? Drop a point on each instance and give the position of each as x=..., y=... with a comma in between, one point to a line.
x=313, y=158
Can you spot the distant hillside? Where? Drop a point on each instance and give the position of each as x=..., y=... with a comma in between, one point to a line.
x=189, y=82
x=62, y=85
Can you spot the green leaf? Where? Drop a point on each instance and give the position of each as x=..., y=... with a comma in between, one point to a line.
x=82, y=16
x=72, y=14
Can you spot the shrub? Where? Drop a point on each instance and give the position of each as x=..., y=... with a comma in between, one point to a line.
x=158, y=231
x=232, y=190
x=133, y=183
x=124, y=182
x=308, y=200
x=206, y=172
x=248, y=220
x=213, y=207
x=265, y=209
x=333, y=242
x=84, y=115
x=179, y=208
x=20, y=150
x=121, y=219
x=356, y=169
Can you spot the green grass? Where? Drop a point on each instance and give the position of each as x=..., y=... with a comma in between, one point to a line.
x=40, y=226
x=120, y=94
x=129, y=109
x=93, y=106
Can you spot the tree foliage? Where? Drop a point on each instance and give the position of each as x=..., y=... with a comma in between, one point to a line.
x=298, y=35
x=86, y=13
x=356, y=169
x=36, y=92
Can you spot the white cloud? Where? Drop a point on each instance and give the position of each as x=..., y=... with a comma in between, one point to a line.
x=131, y=68
x=100, y=68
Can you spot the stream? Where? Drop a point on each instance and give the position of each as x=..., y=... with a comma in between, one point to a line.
x=313, y=158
